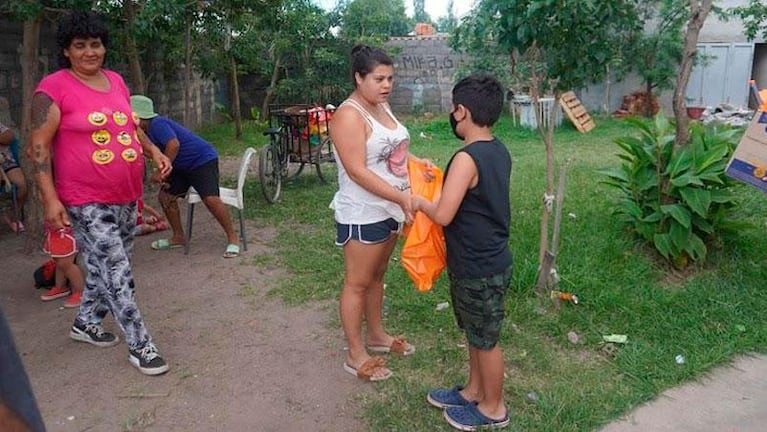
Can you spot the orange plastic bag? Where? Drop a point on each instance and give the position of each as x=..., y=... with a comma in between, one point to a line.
x=423, y=254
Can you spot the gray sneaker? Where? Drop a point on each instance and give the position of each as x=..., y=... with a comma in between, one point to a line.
x=148, y=360
x=93, y=334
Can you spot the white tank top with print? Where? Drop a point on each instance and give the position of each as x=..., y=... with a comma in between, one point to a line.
x=386, y=155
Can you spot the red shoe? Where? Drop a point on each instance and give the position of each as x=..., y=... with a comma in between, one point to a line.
x=73, y=301
x=55, y=293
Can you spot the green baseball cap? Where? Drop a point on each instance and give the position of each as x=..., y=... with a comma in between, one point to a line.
x=143, y=106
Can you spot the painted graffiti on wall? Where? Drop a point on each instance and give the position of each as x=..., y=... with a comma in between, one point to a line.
x=418, y=62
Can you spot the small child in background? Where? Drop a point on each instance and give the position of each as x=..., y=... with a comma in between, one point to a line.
x=61, y=246
x=150, y=223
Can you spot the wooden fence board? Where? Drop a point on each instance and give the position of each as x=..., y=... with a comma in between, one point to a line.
x=576, y=112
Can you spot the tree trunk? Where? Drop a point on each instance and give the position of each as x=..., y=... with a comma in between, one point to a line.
x=138, y=85
x=30, y=74
x=699, y=10
x=188, y=73
x=608, y=88
x=272, y=86
x=235, y=94
x=547, y=134
x=648, y=100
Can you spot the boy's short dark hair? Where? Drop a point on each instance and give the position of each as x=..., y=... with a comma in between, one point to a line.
x=482, y=95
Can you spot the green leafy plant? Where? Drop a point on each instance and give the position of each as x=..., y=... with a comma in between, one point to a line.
x=675, y=198
x=223, y=111
x=259, y=124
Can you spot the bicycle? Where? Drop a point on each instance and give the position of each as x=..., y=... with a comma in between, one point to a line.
x=301, y=138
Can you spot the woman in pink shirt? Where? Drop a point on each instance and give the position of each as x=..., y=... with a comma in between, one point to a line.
x=88, y=157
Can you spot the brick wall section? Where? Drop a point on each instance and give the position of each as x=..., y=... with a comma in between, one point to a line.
x=424, y=73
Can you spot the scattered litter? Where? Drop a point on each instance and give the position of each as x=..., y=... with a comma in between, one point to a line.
x=442, y=306
x=532, y=397
x=554, y=275
x=571, y=215
x=516, y=328
x=573, y=337
x=564, y=296
x=615, y=338
x=679, y=359
x=461, y=345
x=740, y=327
x=70, y=418
x=424, y=136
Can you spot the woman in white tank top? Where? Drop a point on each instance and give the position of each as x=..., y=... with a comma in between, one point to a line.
x=372, y=203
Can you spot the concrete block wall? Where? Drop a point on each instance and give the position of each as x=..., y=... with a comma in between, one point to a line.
x=424, y=73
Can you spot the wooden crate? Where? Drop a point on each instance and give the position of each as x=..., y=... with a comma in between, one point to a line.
x=576, y=112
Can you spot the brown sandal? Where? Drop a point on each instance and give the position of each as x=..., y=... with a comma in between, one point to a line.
x=398, y=346
x=366, y=371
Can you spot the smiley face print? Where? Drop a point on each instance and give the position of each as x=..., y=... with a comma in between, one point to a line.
x=97, y=118
x=103, y=157
x=101, y=137
x=120, y=118
x=129, y=155
x=124, y=138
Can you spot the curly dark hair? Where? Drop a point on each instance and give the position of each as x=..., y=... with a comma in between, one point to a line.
x=79, y=24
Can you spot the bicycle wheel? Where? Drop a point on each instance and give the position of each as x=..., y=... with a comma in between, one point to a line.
x=269, y=173
x=324, y=157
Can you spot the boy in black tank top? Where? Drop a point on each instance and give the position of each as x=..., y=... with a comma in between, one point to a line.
x=475, y=210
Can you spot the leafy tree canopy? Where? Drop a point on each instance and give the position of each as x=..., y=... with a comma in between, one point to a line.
x=571, y=40
x=376, y=18
x=754, y=16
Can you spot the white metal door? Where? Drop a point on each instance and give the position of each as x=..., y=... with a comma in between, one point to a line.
x=722, y=74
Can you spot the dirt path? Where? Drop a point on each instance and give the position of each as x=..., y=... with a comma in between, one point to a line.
x=239, y=361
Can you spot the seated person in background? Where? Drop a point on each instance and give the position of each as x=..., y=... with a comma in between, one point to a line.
x=148, y=220
x=195, y=163
x=12, y=171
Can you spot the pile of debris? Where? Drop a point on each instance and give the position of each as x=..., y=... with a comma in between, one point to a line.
x=727, y=114
x=637, y=104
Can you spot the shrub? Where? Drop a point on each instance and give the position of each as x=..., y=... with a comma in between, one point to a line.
x=677, y=199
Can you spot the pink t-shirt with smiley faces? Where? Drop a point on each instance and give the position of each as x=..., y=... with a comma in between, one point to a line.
x=97, y=157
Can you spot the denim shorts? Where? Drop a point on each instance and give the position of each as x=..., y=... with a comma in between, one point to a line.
x=374, y=233
x=479, y=307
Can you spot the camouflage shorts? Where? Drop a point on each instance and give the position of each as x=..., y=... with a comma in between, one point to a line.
x=479, y=307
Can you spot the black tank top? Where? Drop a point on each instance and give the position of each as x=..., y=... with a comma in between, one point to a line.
x=478, y=237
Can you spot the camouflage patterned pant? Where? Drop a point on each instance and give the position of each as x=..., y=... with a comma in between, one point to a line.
x=104, y=234
x=479, y=307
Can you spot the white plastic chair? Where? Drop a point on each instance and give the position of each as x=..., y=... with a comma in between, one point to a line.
x=230, y=197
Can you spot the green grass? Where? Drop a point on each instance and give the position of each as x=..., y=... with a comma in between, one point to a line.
x=709, y=316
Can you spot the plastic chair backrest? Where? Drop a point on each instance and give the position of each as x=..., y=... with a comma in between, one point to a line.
x=243, y=174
